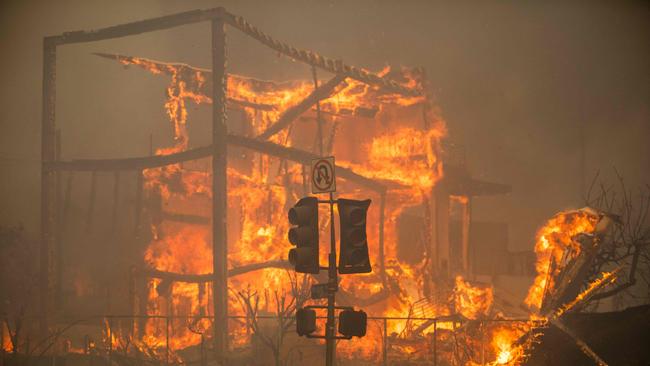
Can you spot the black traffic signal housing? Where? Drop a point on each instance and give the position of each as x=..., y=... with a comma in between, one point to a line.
x=353, y=257
x=304, y=235
x=305, y=321
x=353, y=323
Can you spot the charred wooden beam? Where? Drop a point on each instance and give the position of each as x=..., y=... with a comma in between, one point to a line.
x=48, y=147
x=138, y=202
x=266, y=147
x=185, y=72
x=138, y=163
x=91, y=202
x=58, y=260
x=570, y=281
x=116, y=200
x=208, y=277
x=219, y=154
x=138, y=27
x=584, y=347
x=304, y=157
x=314, y=59
x=294, y=112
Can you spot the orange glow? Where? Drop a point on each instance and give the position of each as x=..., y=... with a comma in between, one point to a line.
x=6, y=340
x=503, y=345
x=260, y=195
x=554, y=239
x=472, y=302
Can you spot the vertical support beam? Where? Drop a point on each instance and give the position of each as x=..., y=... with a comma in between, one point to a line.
x=319, y=120
x=116, y=199
x=138, y=203
x=439, y=206
x=382, y=254
x=435, y=342
x=385, y=344
x=58, y=260
x=219, y=188
x=48, y=151
x=133, y=304
x=91, y=201
x=466, y=207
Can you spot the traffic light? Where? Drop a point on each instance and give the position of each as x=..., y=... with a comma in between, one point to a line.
x=305, y=321
x=353, y=323
x=354, y=244
x=304, y=235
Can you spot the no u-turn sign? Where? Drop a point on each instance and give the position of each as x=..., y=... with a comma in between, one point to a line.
x=323, y=178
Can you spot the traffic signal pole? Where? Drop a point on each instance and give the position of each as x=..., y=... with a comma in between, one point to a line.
x=330, y=327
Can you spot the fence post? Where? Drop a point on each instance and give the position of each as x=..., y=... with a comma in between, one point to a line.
x=435, y=342
x=167, y=340
x=385, y=345
x=482, y=343
x=110, y=341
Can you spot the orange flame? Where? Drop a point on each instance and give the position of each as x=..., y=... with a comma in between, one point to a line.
x=553, y=240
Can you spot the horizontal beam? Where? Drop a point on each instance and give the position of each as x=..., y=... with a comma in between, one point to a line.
x=320, y=93
x=156, y=161
x=188, y=74
x=138, y=27
x=303, y=157
x=138, y=163
x=208, y=277
x=195, y=16
x=314, y=59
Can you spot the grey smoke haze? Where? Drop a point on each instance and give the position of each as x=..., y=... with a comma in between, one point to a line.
x=516, y=81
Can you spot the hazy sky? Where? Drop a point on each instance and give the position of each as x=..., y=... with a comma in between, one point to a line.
x=516, y=81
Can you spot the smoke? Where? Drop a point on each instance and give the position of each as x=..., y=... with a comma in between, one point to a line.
x=524, y=86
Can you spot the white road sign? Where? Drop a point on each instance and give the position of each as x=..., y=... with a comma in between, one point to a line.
x=323, y=178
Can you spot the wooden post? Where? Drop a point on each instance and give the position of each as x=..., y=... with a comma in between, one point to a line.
x=58, y=260
x=91, y=201
x=385, y=345
x=467, y=219
x=435, y=342
x=48, y=147
x=133, y=304
x=219, y=188
x=138, y=203
x=382, y=255
x=116, y=199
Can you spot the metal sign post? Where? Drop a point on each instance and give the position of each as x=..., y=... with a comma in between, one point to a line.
x=323, y=180
x=330, y=327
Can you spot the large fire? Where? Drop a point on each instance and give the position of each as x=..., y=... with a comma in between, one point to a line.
x=392, y=147
x=260, y=192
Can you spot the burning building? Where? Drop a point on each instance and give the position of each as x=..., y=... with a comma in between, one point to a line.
x=197, y=259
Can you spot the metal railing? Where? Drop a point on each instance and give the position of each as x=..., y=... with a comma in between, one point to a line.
x=438, y=341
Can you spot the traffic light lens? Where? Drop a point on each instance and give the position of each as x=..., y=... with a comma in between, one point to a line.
x=301, y=215
x=357, y=235
x=358, y=256
x=356, y=215
x=300, y=235
x=353, y=323
x=305, y=321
